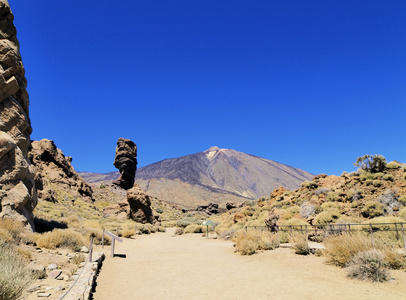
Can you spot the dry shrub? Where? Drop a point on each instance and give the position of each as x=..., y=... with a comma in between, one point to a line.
x=395, y=259
x=146, y=228
x=61, y=238
x=128, y=232
x=194, y=228
x=161, y=229
x=341, y=248
x=92, y=224
x=71, y=221
x=248, y=242
x=368, y=265
x=12, y=228
x=78, y=258
x=14, y=275
x=97, y=236
x=24, y=253
x=300, y=244
x=179, y=231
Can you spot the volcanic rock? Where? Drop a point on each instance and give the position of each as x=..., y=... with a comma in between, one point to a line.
x=230, y=205
x=18, y=195
x=212, y=208
x=54, y=172
x=140, y=205
x=273, y=219
x=126, y=162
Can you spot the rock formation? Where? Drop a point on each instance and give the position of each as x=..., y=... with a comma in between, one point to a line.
x=55, y=174
x=140, y=205
x=18, y=195
x=126, y=162
x=212, y=208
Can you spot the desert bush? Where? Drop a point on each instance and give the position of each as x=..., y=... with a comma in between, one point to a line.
x=363, y=176
x=394, y=258
x=161, y=229
x=128, y=232
x=184, y=222
x=311, y=185
x=339, y=249
x=61, y=238
x=300, y=244
x=159, y=210
x=372, y=209
x=11, y=228
x=228, y=234
x=97, y=236
x=372, y=164
x=14, y=275
x=179, y=231
x=330, y=206
x=248, y=243
x=377, y=183
x=393, y=165
x=388, y=177
x=224, y=226
x=378, y=175
x=369, y=182
x=194, y=228
x=92, y=224
x=322, y=190
x=78, y=258
x=332, y=197
x=294, y=222
x=327, y=217
x=306, y=210
x=368, y=265
x=24, y=253
x=402, y=213
x=146, y=228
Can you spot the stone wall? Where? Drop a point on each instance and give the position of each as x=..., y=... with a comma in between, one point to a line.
x=17, y=188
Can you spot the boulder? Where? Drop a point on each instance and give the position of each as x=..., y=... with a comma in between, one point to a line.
x=230, y=205
x=140, y=205
x=126, y=162
x=212, y=208
x=273, y=219
x=18, y=196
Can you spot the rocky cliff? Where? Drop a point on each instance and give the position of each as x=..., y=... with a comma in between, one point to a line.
x=17, y=188
x=55, y=177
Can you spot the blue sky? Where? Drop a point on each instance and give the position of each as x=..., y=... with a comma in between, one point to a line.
x=311, y=84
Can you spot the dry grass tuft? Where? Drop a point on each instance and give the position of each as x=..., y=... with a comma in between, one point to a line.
x=248, y=243
x=14, y=276
x=368, y=265
x=341, y=248
x=61, y=238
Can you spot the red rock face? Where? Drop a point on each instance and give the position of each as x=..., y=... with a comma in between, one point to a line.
x=18, y=195
x=140, y=205
x=126, y=162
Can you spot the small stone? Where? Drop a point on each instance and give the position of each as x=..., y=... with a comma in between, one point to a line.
x=60, y=288
x=82, y=264
x=45, y=295
x=84, y=249
x=52, y=267
x=54, y=274
x=63, y=277
x=34, y=289
x=38, y=250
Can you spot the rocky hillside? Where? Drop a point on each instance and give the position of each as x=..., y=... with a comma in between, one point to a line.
x=17, y=189
x=215, y=175
x=350, y=198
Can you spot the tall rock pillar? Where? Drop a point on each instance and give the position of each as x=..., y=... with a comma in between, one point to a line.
x=17, y=189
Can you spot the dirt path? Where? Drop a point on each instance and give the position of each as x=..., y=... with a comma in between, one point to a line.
x=160, y=266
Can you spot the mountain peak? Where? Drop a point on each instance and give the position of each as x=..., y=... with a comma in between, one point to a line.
x=211, y=149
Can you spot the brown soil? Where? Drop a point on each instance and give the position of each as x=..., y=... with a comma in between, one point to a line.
x=161, y=266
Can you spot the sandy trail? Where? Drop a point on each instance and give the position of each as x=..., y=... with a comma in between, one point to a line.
x=160, y=266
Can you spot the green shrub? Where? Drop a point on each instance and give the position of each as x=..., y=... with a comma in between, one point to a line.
x=366, y=176
x=377, y=183
x=369, y=182
x=311, y=185
x=322, y=190
x=327, y=217
x=402, y=213
x=332, y=197
x=300, y=244
x=194, y=228
x=393, y=165
x=330, y=206
x=368, y=265
x=378, y=175
x=179, y=231
x=372, y=164
x=372, y=209
x=159, y=210
x=186, y=222
x=14, y=275
x=248, y=243
x=388, y=177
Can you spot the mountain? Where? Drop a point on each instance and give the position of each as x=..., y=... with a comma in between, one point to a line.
x=215, y=175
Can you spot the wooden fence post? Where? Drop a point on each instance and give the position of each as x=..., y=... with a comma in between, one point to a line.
x=91, y=248
x=397, y=231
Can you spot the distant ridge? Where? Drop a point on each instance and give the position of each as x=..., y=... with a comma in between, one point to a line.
x=215, y=175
